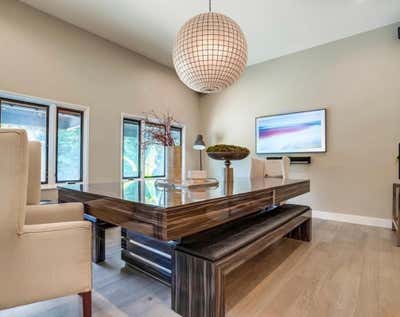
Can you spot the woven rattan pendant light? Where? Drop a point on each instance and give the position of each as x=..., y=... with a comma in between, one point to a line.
x=210, y=52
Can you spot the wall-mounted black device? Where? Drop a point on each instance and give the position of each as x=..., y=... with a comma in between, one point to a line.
x=293, y=159
x=398, y=33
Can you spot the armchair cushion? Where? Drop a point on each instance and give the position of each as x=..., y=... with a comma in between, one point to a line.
x=51, y=260
x=40, y=214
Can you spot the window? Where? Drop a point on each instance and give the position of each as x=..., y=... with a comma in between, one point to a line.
x=59, y=129
x=34, y=119
x=131, y=149
x=131, y=191
x=137, y=149
x=177, y=135
x=69, y=145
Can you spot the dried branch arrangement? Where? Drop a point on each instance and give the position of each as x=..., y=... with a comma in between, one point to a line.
x=159, y=128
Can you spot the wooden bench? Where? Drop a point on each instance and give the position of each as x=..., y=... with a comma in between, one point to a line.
x=201, y=261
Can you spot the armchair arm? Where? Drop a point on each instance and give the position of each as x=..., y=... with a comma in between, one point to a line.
x=63, y=227
x=39, y=214
x=52, y=260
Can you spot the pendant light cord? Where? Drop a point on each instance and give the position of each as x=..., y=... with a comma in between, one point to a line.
x=209, y=5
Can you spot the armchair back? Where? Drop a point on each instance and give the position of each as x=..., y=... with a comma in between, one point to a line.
x=269, y=168
x=34, y=181
x=13, y=181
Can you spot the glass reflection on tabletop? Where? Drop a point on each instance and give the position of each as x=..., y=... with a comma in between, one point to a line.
x=147, y=192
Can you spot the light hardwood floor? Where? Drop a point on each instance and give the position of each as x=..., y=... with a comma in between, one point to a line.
x=118, y=292
x=347, y=270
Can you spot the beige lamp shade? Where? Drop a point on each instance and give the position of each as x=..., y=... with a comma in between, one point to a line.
x=210, y=52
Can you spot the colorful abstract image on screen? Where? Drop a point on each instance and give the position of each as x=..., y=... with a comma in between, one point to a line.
x=299, y=132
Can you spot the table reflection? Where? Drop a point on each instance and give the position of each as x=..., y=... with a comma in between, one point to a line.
x=147, y=192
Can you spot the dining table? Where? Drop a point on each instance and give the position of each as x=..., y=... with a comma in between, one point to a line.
x=154, y=218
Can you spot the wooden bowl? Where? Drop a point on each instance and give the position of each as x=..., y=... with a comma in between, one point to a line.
x=227, y=156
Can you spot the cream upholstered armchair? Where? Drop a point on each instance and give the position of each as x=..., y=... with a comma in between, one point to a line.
x=270, y=168
x=45, y=251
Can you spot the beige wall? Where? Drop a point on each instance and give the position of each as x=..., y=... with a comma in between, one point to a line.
x=45, y=57
x=358, y=81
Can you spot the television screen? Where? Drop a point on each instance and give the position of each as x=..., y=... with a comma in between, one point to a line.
x=297, y=132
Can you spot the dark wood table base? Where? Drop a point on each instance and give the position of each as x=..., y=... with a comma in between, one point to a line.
x=98, y=238
x=151, y=256
x=148, y=255
x=151, y=217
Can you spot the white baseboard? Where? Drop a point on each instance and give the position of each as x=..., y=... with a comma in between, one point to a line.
x=361, y=220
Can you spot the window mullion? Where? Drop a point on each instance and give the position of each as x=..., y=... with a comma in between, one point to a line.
x=52, y=144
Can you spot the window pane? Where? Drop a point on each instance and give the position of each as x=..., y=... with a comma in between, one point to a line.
x=154, y=154
x=31, y=118
x=151, y=194
x=176, y=134
x=131, y=150
x=69, y=145
x=131, y=190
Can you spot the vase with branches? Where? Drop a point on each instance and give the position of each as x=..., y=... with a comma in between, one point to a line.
x=159, y=131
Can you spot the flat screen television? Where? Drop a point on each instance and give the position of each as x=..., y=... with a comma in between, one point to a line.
x=296, y=132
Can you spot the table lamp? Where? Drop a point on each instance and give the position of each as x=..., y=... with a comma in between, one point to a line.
x=198, y=145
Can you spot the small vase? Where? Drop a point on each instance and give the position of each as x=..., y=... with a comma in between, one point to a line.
x=173, y=164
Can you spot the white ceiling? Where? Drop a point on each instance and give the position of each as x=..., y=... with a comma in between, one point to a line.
x=273, y=27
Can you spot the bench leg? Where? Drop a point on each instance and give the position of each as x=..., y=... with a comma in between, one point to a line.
x=197, y=287
x=302, y=232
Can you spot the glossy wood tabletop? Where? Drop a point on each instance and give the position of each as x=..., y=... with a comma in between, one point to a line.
x=149, y=193
x=165, y=214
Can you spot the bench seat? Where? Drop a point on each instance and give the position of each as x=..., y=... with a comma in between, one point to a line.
x=222, y=241
x=202, y=261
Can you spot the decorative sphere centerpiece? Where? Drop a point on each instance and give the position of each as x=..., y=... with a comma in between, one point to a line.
x=227, y=153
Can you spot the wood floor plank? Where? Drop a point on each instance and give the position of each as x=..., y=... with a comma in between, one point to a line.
x=346, y=271
x=118, y=292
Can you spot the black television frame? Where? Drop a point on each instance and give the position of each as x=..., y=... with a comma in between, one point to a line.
x=287, y=113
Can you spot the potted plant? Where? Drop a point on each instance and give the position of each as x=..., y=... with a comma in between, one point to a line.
x=160, y=132
x=227, y=153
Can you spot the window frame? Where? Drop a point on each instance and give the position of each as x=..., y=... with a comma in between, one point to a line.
x=143, y=121
x=180, y=129
x=139, y=123
x=51, y=147
x=82, y=115
x=31, y=105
